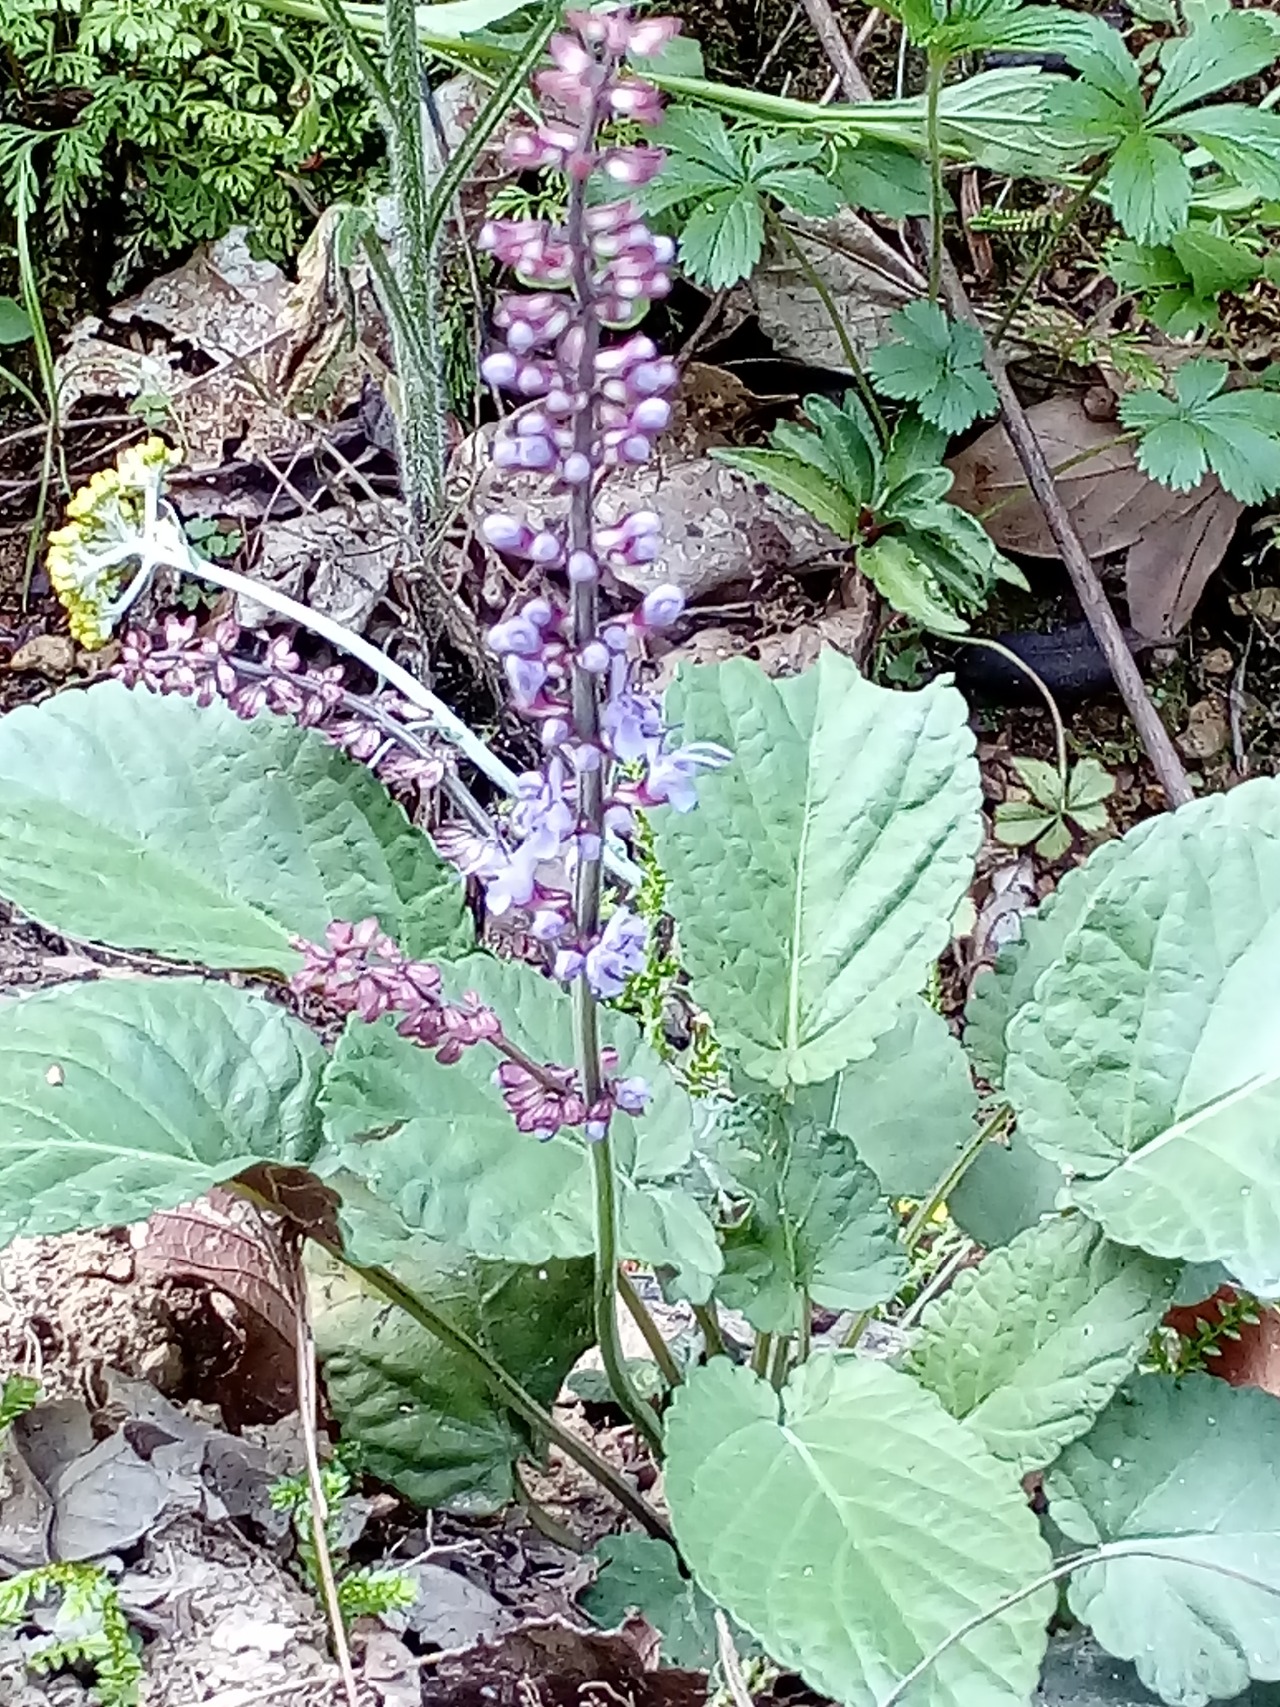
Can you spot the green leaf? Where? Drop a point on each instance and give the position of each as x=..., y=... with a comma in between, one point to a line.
x=1183, y=1469
x=439, y=1145
x=850, y=1525
x=1007, y=988
x=1143, y=266
x=849, y=436
x=640, y=1574
x=936, y=364
x=15, y=323
x=1229, y=49
x=909, y=1107
x=1234, y=433
x=695, y=134
x=1042, y=779
x=908, y=583
x=145, y=821
x=1006, y=1189
x=1089, y=784
x=817, y=881
x=1150, y=187
x=118, y=1098
x=1245, y=141
x=1018, y=823
x=1213, y=263
x=1029, y=1347
x=914, y=445
x=801, y=188
x=722, y=239
x=801, y=482
x=424, y=1419
x=817, y=1225
x=1143, y=1063
x=877, y=177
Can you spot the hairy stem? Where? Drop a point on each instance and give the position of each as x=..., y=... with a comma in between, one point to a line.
x=1011, y=657
x=933, y=92
x=705, y=1316
x=421, y=414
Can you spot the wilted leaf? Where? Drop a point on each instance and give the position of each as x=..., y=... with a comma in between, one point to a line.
x=886, y=1524
x=424, y=1419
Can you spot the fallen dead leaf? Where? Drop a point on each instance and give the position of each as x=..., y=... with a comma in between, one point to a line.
x=51, y=655
x=1173, y=540
x=1207, y=733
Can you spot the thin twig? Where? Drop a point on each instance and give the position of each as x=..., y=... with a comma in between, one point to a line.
x=730, y=1664
x=826, y=26
x=305, y=1356
x=1155, y=738
x=649, y=1329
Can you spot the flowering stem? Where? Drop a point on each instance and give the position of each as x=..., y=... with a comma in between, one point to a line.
x=933, y=91
x=355, y=646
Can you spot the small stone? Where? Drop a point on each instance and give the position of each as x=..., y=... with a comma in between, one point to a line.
x=1218, y=661
x=1206, y=734
x=46, y=655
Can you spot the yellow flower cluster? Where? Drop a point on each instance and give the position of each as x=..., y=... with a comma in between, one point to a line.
x=102, y=518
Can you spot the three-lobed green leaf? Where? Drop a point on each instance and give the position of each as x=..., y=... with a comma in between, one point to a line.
x=935, y=363
x=817, y=880
x=851, y=1525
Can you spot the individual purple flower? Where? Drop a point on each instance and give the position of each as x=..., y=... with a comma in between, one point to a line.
x=617, y=956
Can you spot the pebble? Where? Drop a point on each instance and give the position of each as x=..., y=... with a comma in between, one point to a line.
x=46, y=655
x=1218, y=662
x=1206, y=734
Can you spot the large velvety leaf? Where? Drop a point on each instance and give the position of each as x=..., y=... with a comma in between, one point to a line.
x=1005, y=1189
x=909, y=1106
x=424, y=1419
x=1147, y=1063
x=120, y=1098
x=851, y=1525
x=817, y=880
x=818, y=1227
x=439, y=1145
x=1185, y=1469
x=1029, y=1346
x=146, y=821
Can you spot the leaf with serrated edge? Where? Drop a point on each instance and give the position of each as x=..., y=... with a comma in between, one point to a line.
x=799, y=481
x=1028, y=1347
x=121, y=1098
x=449, y=1158
x=810, y=903
x=851, y=1525
x=1144, y=1064
x=145, y=821
x=1185, y=1469
x=1150, y=187
x=425, y=1421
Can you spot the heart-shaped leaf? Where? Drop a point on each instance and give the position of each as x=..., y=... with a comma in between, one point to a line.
x=851, y=1525
x=1144, y=1064
x=1185, y=1471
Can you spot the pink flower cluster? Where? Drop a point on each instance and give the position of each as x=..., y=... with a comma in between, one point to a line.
x=360, y=970
x=209, y=665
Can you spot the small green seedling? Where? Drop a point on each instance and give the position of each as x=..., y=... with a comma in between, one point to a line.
x=363, y=1591
x=1046, y=818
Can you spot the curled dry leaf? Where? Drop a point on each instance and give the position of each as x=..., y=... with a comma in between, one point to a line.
x=1173, y=540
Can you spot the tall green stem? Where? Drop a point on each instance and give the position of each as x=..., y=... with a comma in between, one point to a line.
x=933, y=93
x=421, y=414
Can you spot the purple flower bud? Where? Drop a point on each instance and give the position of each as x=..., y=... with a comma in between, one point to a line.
x=649, y=36
x=662, y=607
x=567, y=965
x=576, y=469
x=594, y=658
x=635, y=449
x=526, y=676
x=631, y=1095
x=633, y=165
x=517, y=634
x=506, y=533
x=652, y=415
x=583, y=568
x=499, y=368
